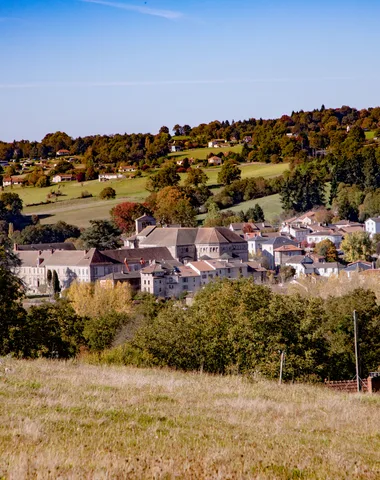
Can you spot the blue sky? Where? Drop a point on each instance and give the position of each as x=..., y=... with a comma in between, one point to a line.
x=94, y=66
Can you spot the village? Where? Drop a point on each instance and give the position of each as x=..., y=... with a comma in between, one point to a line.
x=176, y=262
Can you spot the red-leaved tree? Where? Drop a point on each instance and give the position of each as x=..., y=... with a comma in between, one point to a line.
x=125, y=214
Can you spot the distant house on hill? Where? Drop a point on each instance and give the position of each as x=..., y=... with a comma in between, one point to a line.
x=372, y=226
x=15, y=180
x=176, y=148
x=125, y=169
x=104, y=177
x=63, y=177
x=220, y=142
x=214, y=160
x=62, y=153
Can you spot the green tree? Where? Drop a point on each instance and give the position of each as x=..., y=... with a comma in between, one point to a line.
x=102, y=235
x=43, y=181
x=100, y=331
x=107, y=193
x=196, y=176
x=12, y=314
x=302, y=190
x=228, y=173
x=55, y=283
x=166, y=177
x=255, y=214
x=339, y=332
x=357, y=246
x=51, y=331
x=12, y=203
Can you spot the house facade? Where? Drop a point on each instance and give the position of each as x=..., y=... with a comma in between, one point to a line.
x=165, y=280
x=268, y=248
x=316, y=237
x=63, y=177
x=372, y=226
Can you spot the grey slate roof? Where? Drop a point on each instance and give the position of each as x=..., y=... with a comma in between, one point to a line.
x=136, y=254
x=167, y=237
x=45, y=246
x=280, y=241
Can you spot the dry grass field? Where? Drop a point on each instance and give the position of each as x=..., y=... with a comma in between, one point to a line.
x=73, y=421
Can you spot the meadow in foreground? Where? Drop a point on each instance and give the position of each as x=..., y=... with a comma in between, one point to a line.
x=75, y=421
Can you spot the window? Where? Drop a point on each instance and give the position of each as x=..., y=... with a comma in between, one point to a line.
x=184, y=280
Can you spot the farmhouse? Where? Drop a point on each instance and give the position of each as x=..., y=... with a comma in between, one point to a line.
x=175, y=148
x=372, y=226
x=14, y=180
x=63, y=177
x=217, y=143
x=62, y=153
x=127, y=169
x=104, y=177
x=215, y=160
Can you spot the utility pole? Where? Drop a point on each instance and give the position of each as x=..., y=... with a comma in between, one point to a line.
x=282, y=358
x=356, y=351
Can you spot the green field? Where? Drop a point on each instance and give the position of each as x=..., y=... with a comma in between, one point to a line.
x=203, y=153
x=80, y=211
x=68, y=420
x=370, y=135
x=265, y=170
x=271, y=205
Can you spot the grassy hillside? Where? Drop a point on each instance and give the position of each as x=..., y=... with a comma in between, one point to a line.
x=369, y=135
x=271, y=205
x=67, y=420
x=79, y=211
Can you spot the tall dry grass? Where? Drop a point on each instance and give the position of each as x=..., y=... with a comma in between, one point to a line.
x=72, y=421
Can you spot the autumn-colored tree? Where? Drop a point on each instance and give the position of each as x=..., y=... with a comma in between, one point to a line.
x=327, y=249
x=125, y=214
x=93, y=301
x=173, y=207
x=357, y=246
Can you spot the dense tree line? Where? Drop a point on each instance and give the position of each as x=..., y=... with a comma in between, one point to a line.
x=290, y=137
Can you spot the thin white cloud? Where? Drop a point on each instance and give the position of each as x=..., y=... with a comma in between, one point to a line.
x=153, y=83
x=168, y=14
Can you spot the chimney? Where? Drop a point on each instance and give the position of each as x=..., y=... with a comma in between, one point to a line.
x=126, y=265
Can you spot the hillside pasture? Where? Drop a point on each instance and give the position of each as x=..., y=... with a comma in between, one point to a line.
x=271, y=205
x=370, y=135
x=70, y=420
x=78, y=211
